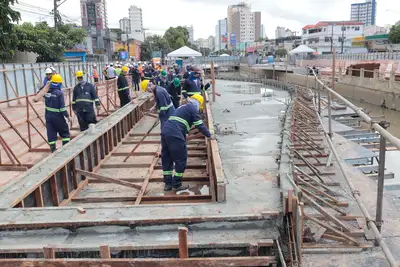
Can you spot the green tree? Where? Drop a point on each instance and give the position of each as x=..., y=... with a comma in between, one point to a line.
x=281, y=52
x=394, y=34
x=205, y=51
x=8, y=38
x=49, y=43
x=151, y=44
x=177, y=37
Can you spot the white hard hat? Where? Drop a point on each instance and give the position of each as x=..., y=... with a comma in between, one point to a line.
x=48, y=71
x=94, y=65
x=111, y=64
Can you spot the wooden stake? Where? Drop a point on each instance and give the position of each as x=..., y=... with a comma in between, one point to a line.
x=105, y=252
x=183, y=244
x=107, y=179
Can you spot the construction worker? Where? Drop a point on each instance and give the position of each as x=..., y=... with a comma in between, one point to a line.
x=83, y=96
x=161, y=79
x=95, y=73
x=48, y=74
x=193, y=84
x=187, y=72
x=135, y=77
x=173, y=141
x=174, y=89
x=118, y=69
x=111, y=72
x=163, y=104
x=123, y=87
x=55, y=113
x=148, y=73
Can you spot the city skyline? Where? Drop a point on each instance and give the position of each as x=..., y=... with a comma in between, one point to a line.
x=286, y=13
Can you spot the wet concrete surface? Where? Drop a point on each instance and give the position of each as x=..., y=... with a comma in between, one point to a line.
x=247, y=137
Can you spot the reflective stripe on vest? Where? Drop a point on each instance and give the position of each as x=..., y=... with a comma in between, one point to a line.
x=122, y=89
x=56, y=109
x=165, y=107
x=174, y=118
x=194, y=93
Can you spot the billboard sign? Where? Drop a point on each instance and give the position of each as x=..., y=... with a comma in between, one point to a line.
x=123, y=55
x=233, y=39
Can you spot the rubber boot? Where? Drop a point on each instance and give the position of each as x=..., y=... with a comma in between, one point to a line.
x=53, y=148
x=167, y=182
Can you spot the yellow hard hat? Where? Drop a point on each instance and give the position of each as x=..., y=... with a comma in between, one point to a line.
x=144, y=84
x=56, y=78
x=79, y=73
x=199, y=98
x=125, y=69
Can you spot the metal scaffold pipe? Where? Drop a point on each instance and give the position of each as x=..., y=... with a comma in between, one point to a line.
x=356, y=193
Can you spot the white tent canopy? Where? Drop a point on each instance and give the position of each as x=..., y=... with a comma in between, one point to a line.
x=302, y=49
x=184, y=52
x=224, y=55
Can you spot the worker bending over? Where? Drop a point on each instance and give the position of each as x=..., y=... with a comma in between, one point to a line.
x=173, y=141
x=123, y=87
x=174, y=89
x=55, y=113
x=83, y=96
x=163, y=105
x=193, y=85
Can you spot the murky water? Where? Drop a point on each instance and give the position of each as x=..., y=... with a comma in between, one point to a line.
x=392, y=157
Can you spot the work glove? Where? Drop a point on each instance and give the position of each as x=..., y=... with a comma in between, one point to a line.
x=207, y=86
x=68, y=119
x=213, y=137
x=153, y=110
x=98, y=108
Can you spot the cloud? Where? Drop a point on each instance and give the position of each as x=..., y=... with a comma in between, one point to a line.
x=159, y=15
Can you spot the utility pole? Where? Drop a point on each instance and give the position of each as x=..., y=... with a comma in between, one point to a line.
x=342, y=38
x=55, y=14
x=332, y=40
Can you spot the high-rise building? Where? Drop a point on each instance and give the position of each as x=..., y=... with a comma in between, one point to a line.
x=136, y=19
x=94, y=14
x=125, y=25
x=262, y=31
x=221, y=34
x=190, y=30
x=211, y=42
x=243, y=24
x=364, y=12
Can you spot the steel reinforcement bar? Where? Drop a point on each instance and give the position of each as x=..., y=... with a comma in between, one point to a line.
x=356, y=193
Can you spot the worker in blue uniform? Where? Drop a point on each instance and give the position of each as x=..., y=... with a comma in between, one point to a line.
x=83, y=98
x=123, y=87
x=193, y=84
x=163, y=105
x=187, y=72
x=173, y=141
x=174, y=89
x=161, y=79
x=55, y=112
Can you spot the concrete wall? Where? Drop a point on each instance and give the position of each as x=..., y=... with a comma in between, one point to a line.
x=354, y=87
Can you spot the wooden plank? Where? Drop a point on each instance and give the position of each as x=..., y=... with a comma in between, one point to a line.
x=72, y=194
x=39, y=197
x=138, y=154
x=105, y=252
x=49, y=253
x=183, y=243
x=335, y=238
x=319, y=233
x=327, y=226
x=144, y=198
x=328, y=216
x=138, y=262
x=54, y=190
x=108, y=179
x=188, y=178
x=13, y=168
x=64, y=181
x=143, y=189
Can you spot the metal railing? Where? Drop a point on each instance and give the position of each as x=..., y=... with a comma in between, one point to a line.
x=380, y=127
x=355, y=56
x=23, y=79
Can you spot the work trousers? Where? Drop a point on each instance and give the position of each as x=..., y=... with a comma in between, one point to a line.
x=135, y=84
x=124, y=97
x=86, y=117
x=173, y=152
x=56, y=124
x=176, y=101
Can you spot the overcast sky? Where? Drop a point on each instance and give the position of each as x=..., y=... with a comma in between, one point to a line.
x=158, y=15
